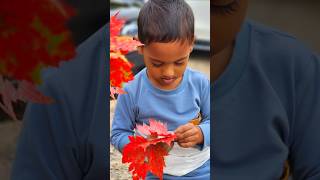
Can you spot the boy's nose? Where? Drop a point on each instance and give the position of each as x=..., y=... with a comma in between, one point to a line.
x=168, y=71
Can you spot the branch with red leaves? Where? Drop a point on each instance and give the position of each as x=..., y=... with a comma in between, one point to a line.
x=147, y=149
x=33, y=36
x=120, y=67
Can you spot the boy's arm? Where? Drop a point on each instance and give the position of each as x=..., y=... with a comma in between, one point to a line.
x=205, y=112
x=123, y=122
x=304, y=156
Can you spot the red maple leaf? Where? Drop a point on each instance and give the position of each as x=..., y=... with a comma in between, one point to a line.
x=115, y=25
x=24, y=91
x=154, y=127
x=120, y=70
x=116, y=90
x=147, y=154
x=120, y=67
x=33, y=36
x=124, y=44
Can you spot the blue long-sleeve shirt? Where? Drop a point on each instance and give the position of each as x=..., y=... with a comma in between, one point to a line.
x=176, y=107
x=68, y=140
x=266, y=109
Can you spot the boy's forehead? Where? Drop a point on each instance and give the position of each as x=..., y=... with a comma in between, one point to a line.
x=171, y=51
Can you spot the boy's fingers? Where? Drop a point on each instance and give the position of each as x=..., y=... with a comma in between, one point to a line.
x=186, y=134
x=183, y=128
x=192, y=139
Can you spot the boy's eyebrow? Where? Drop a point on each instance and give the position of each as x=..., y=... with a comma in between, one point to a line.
x=180, y=59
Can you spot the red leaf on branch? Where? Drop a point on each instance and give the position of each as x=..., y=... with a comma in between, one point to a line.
x=156, y=155
x=147, y=154
x=155, y=127
x=28, y=92
x=134, y=153
x=124, y=44
x=115, y=25
x=120, y=67
x=25, y=91
x=120, y=70
x=8, y=94
x=116, y=90
x=33, y=36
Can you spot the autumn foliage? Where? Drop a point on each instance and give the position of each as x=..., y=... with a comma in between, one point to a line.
x=147, y=149
x=120, y=67
x=33, y=36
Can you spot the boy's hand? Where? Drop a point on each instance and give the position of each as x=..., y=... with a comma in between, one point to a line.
x=188, y=135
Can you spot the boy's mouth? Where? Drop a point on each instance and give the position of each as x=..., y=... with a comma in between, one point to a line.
x=168, y=81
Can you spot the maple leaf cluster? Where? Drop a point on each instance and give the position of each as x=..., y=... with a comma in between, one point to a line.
x=33, y=36
x=120, y=67
x=146, y=153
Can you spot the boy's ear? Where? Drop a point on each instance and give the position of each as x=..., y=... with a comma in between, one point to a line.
x=191, y=48
x=140, y=49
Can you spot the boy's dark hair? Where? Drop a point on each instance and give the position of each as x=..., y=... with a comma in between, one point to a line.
x=165, y=21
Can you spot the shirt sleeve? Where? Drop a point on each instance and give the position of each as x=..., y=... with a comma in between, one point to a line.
x=46, y=148
x=123, y=122
x=304, y=153
x=205, y=112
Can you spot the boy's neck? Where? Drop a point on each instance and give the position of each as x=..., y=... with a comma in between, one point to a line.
x=220, y=62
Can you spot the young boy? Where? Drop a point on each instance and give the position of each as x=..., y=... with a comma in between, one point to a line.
x=168, y=91
x=266, y=100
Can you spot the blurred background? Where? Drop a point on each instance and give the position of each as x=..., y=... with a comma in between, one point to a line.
x=297, y=17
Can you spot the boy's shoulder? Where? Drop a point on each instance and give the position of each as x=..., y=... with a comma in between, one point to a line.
x=275, y=47
x=274, y=40
x=267, y=30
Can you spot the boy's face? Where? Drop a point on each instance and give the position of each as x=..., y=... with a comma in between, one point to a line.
x=226, y=19
x=166, y=62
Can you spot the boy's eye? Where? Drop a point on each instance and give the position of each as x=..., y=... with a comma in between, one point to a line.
x=225, y=9
x=179, y=63
x=156, y=64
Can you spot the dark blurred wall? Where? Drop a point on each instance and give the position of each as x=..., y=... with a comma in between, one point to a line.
x=92, y=15
x=300, y=18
